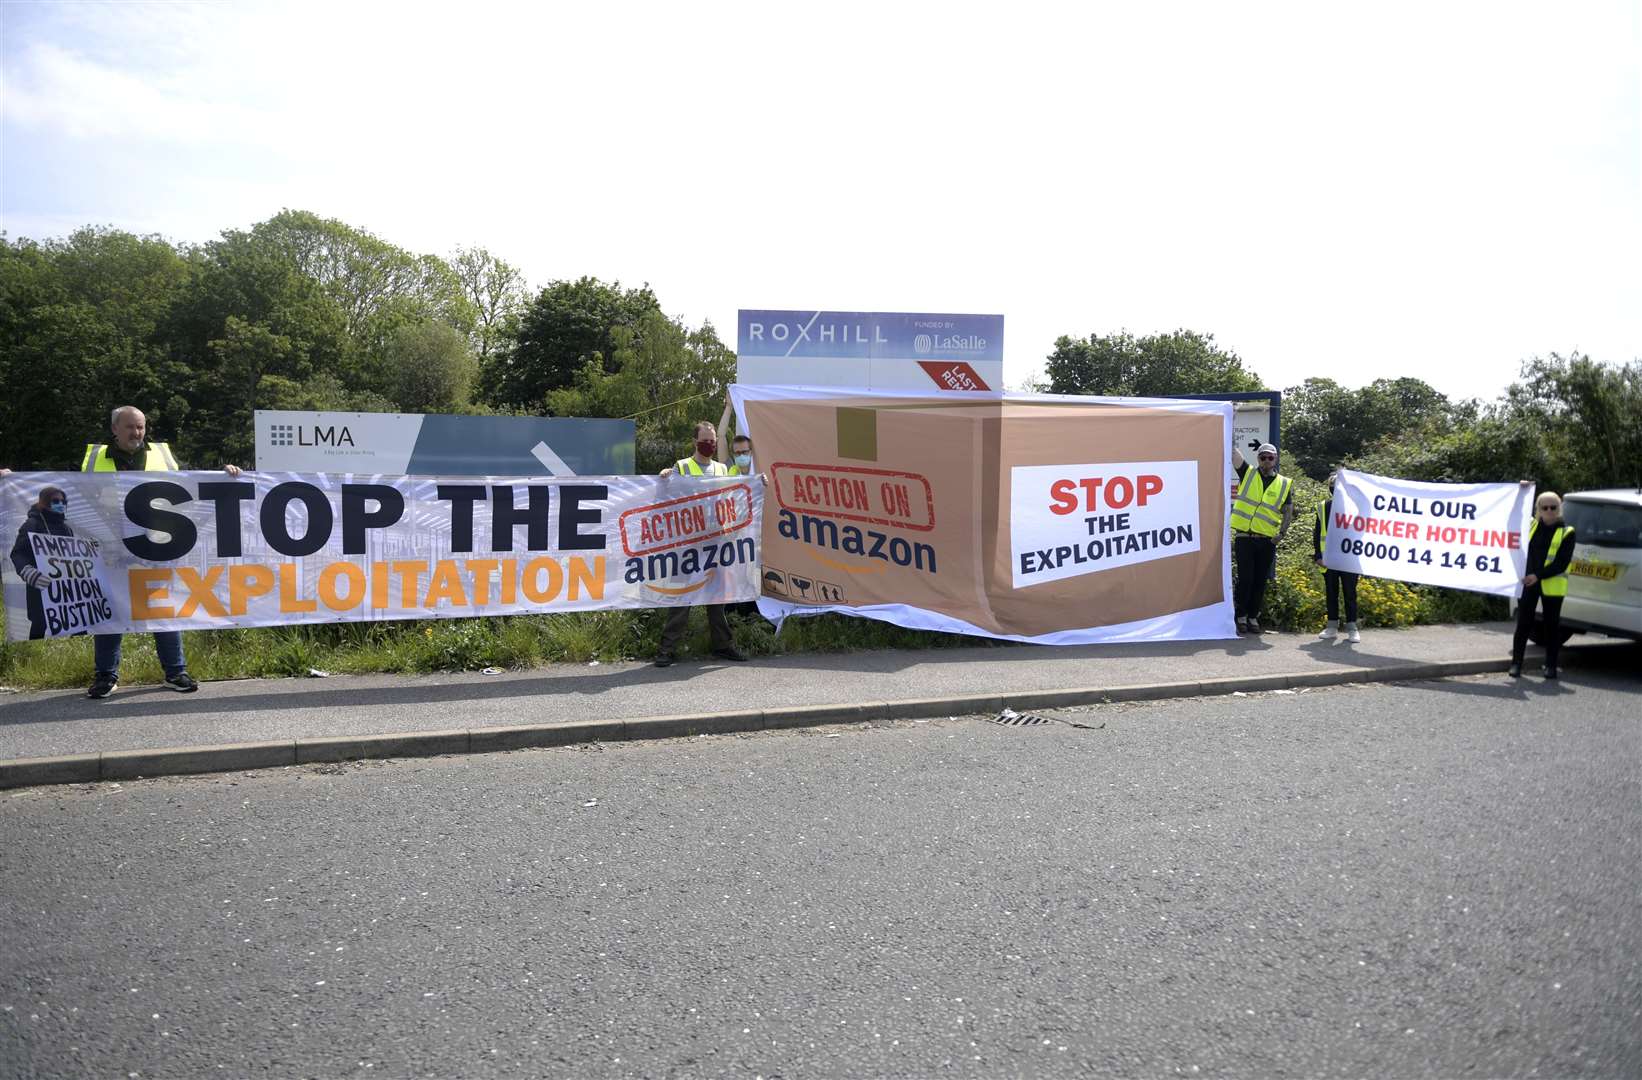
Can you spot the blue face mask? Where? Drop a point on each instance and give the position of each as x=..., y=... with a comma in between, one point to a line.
x=58, y=507
x=745, y=461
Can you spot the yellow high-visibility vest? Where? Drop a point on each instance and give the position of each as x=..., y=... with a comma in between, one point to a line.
x=689, y=467
x=159, y=459
x=1558, y=585
x=1258, y=506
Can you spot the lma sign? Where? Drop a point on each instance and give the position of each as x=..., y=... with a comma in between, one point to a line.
x=333, y=435
x=871, y=349
x=411, y=444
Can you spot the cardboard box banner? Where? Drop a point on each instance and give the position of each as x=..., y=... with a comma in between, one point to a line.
x=1057, y=520
x=143, y=551
x=1461, y=536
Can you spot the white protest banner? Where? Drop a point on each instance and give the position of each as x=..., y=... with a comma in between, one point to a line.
x=143, y=551
x=1460, y=536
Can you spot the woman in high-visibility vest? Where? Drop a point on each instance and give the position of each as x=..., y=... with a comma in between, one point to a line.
x=1335, y=582
x=1550, y=550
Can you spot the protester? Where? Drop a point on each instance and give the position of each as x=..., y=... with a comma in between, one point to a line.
x=701, y=463
x=741, y=464
x=1262, y=510
x=130, y=451
x=1334, y=581
x=47, y=515
x=1550, y=550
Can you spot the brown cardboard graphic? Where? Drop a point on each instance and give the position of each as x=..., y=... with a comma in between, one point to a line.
x=955, y=558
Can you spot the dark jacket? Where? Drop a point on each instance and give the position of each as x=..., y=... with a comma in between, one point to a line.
x=1317, y=536
x=38, y=521
x=1540, y=543
x=22, y=554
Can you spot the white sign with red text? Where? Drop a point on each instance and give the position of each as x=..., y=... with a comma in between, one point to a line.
x=1459, y=536
x=1069, y=520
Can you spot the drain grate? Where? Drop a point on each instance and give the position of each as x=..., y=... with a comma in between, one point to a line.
x=1011, y=718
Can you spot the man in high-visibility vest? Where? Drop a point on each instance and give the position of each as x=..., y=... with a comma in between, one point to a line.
x=703, y=462
x=741, y=464
x=1262, y=510
x=128, y=450
x=741, y=456
x=1550, y=550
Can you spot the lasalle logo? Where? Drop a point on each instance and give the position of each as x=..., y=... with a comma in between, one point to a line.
x=924, y=344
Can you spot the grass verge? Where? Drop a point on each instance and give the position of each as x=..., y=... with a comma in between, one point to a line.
x=514, y=642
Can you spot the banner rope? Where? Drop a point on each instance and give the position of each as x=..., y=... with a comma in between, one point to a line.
x=680, y=401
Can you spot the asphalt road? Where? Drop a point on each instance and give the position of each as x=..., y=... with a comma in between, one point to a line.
x=1437, y=879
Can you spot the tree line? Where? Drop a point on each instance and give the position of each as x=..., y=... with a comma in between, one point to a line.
x=304, y=312
x=1568, y=422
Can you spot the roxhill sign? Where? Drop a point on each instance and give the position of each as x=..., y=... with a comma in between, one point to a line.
x=870, y=349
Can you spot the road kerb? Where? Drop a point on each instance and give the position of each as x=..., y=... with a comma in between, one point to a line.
x=532, y=736
x=1100, y=695
x=1246, y=684
x=362, y=747
x=791, y=716
x=67, y=769
x=683, y=725
x=174, y=761
x=131, y=764
x=928, y=708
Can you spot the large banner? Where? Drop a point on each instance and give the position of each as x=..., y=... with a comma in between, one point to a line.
x=140, y=551
x=1461, y=536
x=880, y=350
x=1057, y=520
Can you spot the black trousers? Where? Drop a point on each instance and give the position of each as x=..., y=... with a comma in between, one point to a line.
x=1532, y=597
x=1334, y=583
x=679, y=618
x=1253, y=556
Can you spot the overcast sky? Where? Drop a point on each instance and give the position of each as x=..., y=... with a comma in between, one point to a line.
x=1360, y=191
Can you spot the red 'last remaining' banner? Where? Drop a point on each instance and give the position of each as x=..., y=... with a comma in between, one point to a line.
x=953, y=375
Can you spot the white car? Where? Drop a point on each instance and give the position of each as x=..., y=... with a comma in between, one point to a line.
x=1605, y=577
